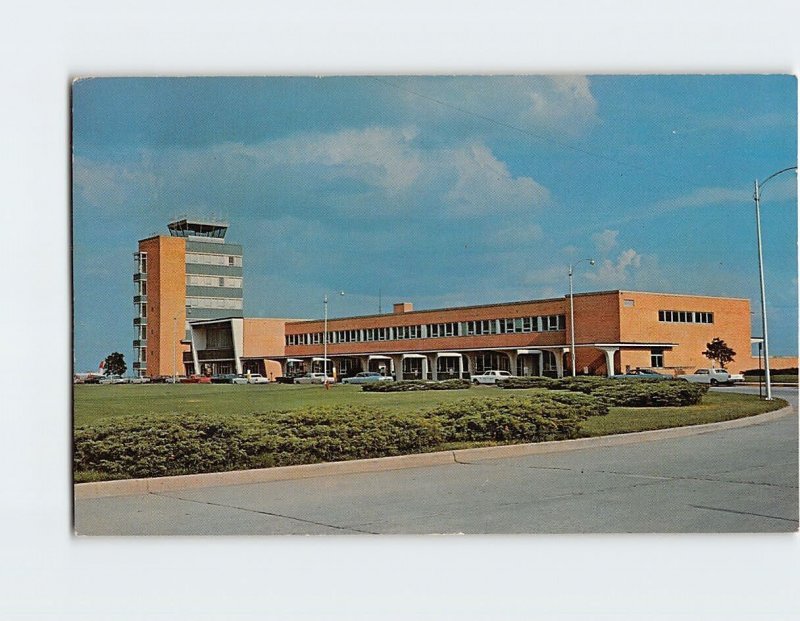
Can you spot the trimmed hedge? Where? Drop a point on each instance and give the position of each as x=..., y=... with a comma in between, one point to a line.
x=650, y=393
x=761, y=372
x=537, y=418
x=169, y=444
x=621, y=392
x=161, y=445
x=414, y=385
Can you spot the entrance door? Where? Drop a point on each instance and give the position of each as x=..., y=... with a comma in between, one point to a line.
x=412, y=368
x=528, y=364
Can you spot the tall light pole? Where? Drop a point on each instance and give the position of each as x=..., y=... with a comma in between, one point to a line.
x=174, y=349
x=325, y=336
x=757, y=198
x=572, y=311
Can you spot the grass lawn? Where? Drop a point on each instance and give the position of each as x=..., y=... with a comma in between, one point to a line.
x=716, y=406
x=93, y=403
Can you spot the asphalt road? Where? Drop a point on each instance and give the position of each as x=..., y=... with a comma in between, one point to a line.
x=737, y=480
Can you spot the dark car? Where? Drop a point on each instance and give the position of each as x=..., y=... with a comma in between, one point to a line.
x=643, y=374
x=223, y=378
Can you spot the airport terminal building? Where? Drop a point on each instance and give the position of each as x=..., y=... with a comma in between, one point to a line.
x=614, y=331
x=189, y=319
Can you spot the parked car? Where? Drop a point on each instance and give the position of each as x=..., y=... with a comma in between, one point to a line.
x=223, y=378
x=250, y=378
x=643, y=374
x=138, y=380
x=111, y=379
x=366, y=377
x=735, y=378
x=491, y=377
x=196, y=379
x=169, y=379
x=313, y=378
x=707, y=376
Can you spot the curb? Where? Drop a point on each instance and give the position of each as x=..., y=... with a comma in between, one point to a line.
x=133, y=487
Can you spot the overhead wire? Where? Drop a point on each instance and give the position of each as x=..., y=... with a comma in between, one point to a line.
x=538, y=136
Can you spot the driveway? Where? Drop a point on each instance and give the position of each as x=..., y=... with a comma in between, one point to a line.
x=735, y=480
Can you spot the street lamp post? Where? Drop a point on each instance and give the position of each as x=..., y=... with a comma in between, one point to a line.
x=174, y=350
x=757, y=198
x=325, y=336
x=572, y=312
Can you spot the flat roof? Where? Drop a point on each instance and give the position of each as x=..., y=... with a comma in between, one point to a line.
x=514, y=303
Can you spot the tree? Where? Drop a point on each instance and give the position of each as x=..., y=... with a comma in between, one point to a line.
x=115, y=364
x=719, y=351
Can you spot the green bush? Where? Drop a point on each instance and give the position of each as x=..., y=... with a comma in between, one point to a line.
x=171, y=444
x=533, y=381
x=536, y=418
x=161, y=445
x=761, y=373
x=650, y=393
x=414, y=385
x=620, y=392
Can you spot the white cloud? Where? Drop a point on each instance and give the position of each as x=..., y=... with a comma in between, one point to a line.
x=605, y=241
x=381, y=169
x=566, y=102
x=616, y=273
x=705, y=197
x=484, y=184
x=383, y=157
x=557, y=105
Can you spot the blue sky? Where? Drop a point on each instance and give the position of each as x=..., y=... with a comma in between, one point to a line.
x=438, y=190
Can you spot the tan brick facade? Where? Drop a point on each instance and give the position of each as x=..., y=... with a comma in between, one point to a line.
x=166, y=304
x=622, y=324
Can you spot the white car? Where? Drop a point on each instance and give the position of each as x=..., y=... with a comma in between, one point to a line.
x=735, y=378
x=252, y=378
x=112, y=379
x=707, y=376
x=313, y=378
x=366, y=377
x=491, y=377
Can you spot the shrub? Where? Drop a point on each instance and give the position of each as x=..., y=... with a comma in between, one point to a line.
x=170, y=444
x=413, y=385
x=650, y=393
x=533, y=381
x=536, y=418
x=624, y=393
x=760, y=372
x=162, y=445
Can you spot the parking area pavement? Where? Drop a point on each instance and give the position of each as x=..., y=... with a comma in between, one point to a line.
x=735, y=480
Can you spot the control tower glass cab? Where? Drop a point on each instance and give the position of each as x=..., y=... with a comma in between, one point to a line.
x=196, y=228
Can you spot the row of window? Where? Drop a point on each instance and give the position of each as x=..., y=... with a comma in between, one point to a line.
x=219, y=303
x=673, y=316
x=546, y=323
x=203, y=258
x=197, y=280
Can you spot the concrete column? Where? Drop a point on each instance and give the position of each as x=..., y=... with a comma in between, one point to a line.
x=559, y=363
x=513, y=362
x=424, y=367
x=471, y=363
x=609, y=352
x=460, y=367
x=433, y=363
x=541, y=364
x=398, y=366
